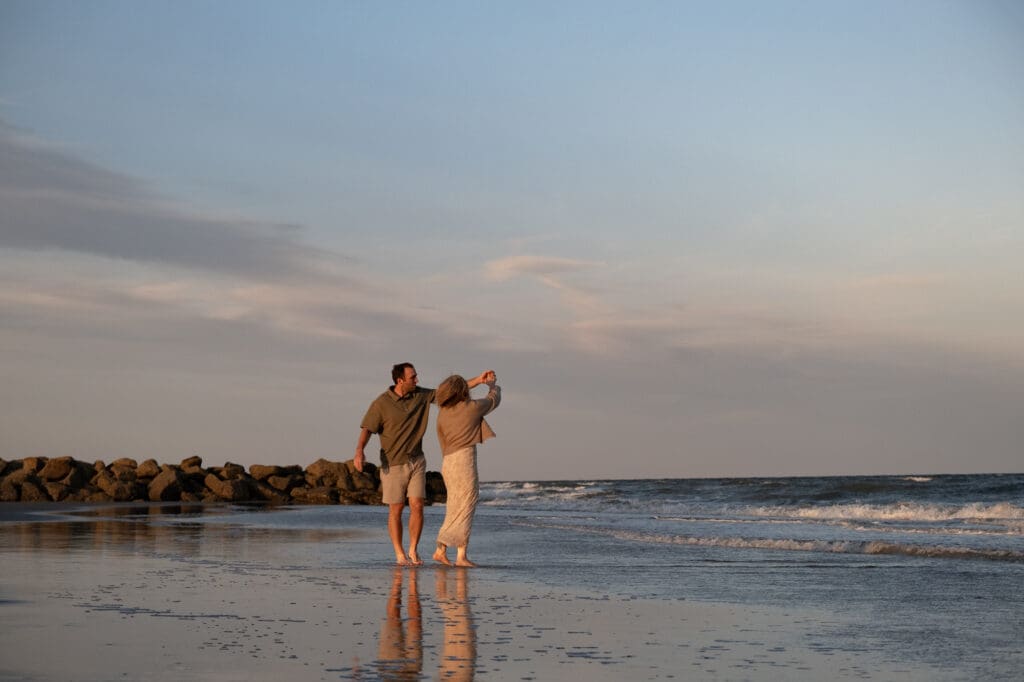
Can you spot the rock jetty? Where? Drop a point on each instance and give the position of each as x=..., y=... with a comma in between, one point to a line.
x=65, y=479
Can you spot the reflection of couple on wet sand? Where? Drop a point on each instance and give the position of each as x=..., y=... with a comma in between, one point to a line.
x=400, y=655
x=399, y=418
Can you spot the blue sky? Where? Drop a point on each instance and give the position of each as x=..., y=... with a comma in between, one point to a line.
x=693, y=240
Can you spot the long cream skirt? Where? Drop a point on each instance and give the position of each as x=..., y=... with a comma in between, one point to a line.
x=463, y=484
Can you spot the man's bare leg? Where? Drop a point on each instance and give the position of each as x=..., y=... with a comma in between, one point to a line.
x=461, y=559
x=395, y=531
x=415, y=529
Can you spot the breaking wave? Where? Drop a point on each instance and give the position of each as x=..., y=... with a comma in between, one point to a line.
x=866, y=547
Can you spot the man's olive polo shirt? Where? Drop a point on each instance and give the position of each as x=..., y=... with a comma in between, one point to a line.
x=400, y=423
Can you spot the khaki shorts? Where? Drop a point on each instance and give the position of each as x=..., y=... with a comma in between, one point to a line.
x=399, y=481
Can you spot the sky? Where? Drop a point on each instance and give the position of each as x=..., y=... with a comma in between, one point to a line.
x=692, y=239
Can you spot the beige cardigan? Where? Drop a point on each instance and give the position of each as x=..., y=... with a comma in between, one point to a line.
x=463, y=425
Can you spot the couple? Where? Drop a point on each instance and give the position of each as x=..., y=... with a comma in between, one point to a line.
x=399, y=418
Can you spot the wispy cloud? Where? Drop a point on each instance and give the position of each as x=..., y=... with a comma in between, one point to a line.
x=55, y=201
x=542, y=267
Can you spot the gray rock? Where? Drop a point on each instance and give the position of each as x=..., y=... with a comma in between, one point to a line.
x=261, y=472
x=234, y=490
x=270, y=494
x=334, y=474
x=123, y=473
x=232, y=471
x=190, y=462
x=58, y=492
x=9, y=491
x=33, y=464
x=57, y=468
x=166, y=487
x=31, y=491
x=363, y=481
x=321, y=495
x=79, y=476
x=118, y=490
x=148, y=469
x=285, y=483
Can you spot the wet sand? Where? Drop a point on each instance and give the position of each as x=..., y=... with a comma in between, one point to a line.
x=109, y=596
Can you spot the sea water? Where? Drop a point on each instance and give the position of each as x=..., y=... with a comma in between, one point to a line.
x=927, y=570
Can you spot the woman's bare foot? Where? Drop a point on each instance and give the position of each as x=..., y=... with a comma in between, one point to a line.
x=414, y=559
x=441, y=557
x=402, y=560
x=465, y=563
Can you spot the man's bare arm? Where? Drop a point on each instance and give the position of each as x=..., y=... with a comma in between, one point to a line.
x=360, y=458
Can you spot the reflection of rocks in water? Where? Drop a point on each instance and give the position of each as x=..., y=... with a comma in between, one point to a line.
x=400, y=656
x=458, y=657
x=147, y=528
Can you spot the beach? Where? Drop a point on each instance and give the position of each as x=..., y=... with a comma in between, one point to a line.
x=221, y=592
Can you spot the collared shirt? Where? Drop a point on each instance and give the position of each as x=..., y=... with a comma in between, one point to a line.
x=400, y=422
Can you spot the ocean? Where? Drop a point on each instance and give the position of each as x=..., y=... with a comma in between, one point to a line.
x=926, y=569
x=918, y=577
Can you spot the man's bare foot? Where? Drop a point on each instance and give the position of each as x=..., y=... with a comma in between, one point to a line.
x=441, y=557
x=465, y=563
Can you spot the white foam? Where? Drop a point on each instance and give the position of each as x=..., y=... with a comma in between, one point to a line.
x=901, y=511
x=830, y=546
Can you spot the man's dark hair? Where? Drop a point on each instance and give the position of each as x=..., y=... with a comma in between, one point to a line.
x=398, y=371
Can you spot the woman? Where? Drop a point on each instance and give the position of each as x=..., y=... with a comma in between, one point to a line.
x=460, y=427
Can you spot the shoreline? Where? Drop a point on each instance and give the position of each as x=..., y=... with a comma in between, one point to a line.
x=157, y=596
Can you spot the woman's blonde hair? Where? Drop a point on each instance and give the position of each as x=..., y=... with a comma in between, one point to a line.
x=452, y=391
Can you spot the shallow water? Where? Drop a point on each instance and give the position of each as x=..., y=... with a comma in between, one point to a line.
x=884, y=578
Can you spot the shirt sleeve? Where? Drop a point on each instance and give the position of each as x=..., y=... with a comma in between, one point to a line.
x=372, y=420
x=493, y=399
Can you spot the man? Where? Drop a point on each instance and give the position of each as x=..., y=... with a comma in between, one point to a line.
x=399, y=417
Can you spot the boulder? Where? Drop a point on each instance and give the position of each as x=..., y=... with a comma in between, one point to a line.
x=32, y=491
x=57, y=468
x=3, y=467
x=166, y=487
x=99, y=465
x=321, y=495
x=190, y=497
x=123, y=473
x=79, y=495
x=79, y=476
x=270, y=494
x=58, y=492
x=99, y=496
x=368, y=468
x=364, y=481
x=262, y=472
x=327, y=473
x=9, y=491
x=118, y=490
x=234, y=490
x=148, y=469
x=191, y=462
x=285, y=483
x=126, y=462
x=231, y=471
x=33, y=464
